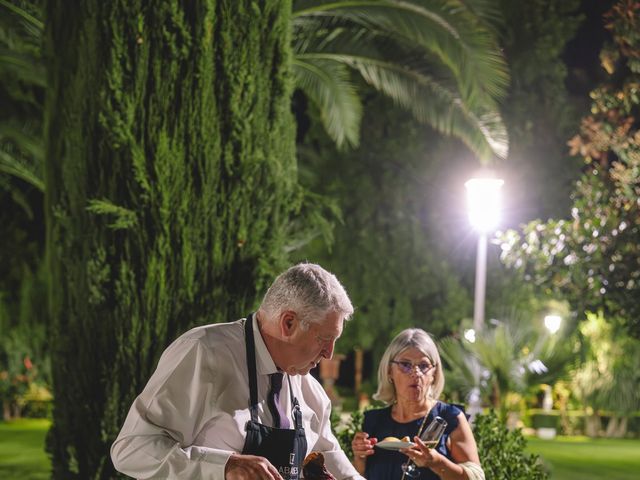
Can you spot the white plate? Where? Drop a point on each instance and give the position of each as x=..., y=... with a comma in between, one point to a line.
x=394, y=445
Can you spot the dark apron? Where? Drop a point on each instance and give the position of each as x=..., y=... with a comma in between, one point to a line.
x=284, y=448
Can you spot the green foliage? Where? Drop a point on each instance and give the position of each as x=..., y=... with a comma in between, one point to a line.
x=25, y=365
x=170, y=184
x=608, y=379
x=510, y=357
x=387, y=249
x=123, y=218
x=21, y=94
x=545, y=420
x=344, y=432
x=21, y=156
x=593, y=259
x=503, y=452
x=439, y=61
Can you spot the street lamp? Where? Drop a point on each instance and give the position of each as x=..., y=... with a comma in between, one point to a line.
x=552, y=322
x=483, y=200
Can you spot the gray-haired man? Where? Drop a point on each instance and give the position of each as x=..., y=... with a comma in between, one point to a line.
x=233, y=401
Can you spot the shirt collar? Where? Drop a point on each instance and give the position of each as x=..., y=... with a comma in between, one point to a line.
x=264, y=363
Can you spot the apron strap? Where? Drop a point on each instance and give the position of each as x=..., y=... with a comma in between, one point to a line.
x=253, y=377
x=251, y=365
x=297, y=414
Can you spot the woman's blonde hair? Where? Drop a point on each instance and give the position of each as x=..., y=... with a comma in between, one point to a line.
x=409, y=338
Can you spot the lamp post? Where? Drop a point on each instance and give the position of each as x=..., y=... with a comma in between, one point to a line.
x=483, y=201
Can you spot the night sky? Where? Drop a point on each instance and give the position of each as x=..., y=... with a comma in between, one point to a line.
x=582, y=53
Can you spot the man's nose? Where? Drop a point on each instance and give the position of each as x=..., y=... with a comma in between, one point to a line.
x=328, y=350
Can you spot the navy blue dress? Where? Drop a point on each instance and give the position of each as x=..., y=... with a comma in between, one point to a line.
x=386, y=464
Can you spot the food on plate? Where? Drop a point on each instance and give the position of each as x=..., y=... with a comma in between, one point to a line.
x=313, y=468
x=396, y=439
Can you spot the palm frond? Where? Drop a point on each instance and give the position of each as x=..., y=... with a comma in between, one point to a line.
x=24, y=66
x=487, y=11
x=449, y=29
x=430, y=102
x=435, y=58
x=327, y=84
x=11, y=165
x=464, y=372
x=29, y=20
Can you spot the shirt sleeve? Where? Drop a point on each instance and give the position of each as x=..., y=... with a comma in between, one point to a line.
x=156, y=440
x=335, y=459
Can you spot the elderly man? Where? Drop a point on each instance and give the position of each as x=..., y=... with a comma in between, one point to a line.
x=233, y=400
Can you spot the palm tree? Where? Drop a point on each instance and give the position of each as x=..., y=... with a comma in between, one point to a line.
x=437, y=59
x=509, y=357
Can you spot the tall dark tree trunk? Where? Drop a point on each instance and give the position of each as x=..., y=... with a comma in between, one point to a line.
x=170, y=173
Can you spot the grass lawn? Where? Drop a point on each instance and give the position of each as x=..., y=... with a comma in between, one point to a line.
x=22, y=450
x=571, y=458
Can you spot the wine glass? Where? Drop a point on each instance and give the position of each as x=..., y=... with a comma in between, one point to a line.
x=431, y=437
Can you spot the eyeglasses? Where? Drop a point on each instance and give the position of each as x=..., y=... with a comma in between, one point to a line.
x=407, y=367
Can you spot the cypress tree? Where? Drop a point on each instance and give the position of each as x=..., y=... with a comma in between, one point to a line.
x=170, y=174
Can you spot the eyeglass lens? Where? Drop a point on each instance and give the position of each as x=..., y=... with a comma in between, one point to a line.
x=407, y=367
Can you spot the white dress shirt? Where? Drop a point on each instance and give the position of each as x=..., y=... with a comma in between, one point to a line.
x=191, y=415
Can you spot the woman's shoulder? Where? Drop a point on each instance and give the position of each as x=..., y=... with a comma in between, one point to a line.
x=449, y=412
x=448, y=408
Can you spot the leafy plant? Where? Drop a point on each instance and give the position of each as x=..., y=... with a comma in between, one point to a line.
x=438, y=60
x=592, y=259
x=344, y=432
x=502, y=452
x=509, y=357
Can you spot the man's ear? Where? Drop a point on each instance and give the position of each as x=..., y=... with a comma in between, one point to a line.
x=289, y=323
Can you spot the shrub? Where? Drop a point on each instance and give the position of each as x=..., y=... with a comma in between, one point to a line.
x=344, y=431
x=502, y=452
x=545, y=419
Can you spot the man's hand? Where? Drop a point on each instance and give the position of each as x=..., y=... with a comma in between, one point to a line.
x=250, y=467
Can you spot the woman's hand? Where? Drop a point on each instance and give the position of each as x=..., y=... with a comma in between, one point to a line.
x=362, y=445
x=422, y=455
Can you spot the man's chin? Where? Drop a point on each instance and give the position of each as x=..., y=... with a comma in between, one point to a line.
x=302, y=371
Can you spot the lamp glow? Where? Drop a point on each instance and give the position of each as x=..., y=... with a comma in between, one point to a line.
x=470, y=335
x=553, y=322
x=483, y=199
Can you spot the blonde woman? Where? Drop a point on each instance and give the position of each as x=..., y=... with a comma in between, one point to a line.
x=410, y=380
